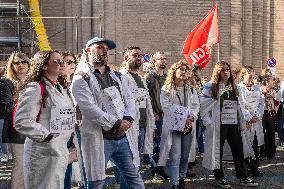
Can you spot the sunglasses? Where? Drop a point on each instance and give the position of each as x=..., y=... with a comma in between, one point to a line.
x=58, y=61
x=21, y=62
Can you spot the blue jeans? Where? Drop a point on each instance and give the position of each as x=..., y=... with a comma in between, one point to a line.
x=118, y=151
x=178, y=157
x=3, y=146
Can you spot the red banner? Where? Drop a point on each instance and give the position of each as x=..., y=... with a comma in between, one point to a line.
x=198, y=44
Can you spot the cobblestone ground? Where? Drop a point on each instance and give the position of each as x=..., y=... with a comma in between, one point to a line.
x=273, y=176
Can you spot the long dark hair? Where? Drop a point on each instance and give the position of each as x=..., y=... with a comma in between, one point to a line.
x=62, y=79
x=35, y=73
x=216, y=78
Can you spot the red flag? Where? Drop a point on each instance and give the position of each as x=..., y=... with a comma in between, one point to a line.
x=198, y=44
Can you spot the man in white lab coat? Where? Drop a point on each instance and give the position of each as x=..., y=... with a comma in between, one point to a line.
x=108, y=110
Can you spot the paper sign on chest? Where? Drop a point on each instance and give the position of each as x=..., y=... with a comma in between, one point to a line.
x=140, y=95
x=177, y=117
x=251, y=100
x=62, y=120
x=229, y=112
x=112, y=102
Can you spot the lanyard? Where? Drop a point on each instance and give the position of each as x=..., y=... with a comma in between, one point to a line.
x=184, y=96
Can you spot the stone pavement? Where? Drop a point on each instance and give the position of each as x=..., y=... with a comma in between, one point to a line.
x=273, y=176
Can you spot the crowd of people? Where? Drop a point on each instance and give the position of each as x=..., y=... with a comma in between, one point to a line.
x=59, y=111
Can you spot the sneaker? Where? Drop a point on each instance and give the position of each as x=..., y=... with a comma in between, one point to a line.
x=248, y=182
x=223, y=183
x=4, y=159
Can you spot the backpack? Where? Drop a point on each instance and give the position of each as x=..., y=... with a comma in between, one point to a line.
x=17, y=104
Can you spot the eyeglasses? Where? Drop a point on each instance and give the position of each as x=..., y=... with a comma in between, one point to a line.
x=183, y=69
x=21, y=62
x=137, y=55
x=70, y=62
x=226, y=70
x=58, y=61
x=162, y=59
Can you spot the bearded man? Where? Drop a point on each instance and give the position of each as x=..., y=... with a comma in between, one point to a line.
x=108, y=111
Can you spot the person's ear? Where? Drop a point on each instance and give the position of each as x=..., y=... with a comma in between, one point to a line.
x=125, y=58
x=44, y=68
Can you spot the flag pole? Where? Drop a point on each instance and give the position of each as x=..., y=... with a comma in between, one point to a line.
x=218, y=45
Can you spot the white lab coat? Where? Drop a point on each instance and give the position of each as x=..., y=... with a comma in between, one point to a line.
x=44, y=163
x=95, y=119
x=248, y=110
x=168, y=102
x=210, y=115
x=150, y=125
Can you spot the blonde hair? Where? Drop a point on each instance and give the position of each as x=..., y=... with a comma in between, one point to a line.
x=10, y=73
x=170, y=80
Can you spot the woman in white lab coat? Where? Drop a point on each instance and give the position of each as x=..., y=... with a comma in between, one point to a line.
x=251, y=102
x=219, y=111
x=180, y=106
x=45, y=114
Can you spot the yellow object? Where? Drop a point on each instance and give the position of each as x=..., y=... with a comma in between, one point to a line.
x=44, y=44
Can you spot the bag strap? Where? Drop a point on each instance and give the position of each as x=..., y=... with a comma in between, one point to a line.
x=85, y=76
x=42, y=89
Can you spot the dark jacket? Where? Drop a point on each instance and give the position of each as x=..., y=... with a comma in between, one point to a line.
x=9, y=134
x=154, y=84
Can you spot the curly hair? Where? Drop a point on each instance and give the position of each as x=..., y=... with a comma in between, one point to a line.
x=35, y=73
x=170, y=82
x=244, y=70
x=216, y=78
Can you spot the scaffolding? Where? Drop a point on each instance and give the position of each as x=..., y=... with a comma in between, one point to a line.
x=17, y=22
x=15, y=34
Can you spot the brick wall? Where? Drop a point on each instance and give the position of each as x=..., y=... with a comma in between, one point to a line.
x=250, y=30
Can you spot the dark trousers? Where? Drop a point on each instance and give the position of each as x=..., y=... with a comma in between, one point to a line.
x=254, y=163
x=157, y=139
x=233, y=136
x=156, y=150
x=268, y=123
x=200, y=135
x=279, y=124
